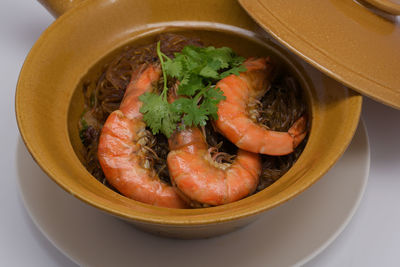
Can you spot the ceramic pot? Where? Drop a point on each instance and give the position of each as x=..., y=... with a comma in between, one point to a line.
x=49, y=101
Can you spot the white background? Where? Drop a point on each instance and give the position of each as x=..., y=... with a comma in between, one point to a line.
x=371, y=239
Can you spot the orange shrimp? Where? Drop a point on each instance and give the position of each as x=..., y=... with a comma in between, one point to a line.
x=121, y=152
x=201, y=179
x=234, y=112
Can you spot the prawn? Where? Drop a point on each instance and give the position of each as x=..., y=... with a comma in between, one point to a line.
x=122, y=152
x=201, y=179
x=234, y=113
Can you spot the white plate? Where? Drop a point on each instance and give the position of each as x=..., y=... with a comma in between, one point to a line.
x=290, y=234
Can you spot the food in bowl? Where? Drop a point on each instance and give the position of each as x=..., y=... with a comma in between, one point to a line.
x=204, y=135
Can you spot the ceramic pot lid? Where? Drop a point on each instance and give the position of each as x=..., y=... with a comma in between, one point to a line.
x=347, y=40
x=388, y=6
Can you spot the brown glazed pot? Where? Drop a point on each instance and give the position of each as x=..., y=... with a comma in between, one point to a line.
x=49, y=101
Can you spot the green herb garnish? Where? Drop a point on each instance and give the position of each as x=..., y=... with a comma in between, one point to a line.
x=84, y=127
x=197, y=69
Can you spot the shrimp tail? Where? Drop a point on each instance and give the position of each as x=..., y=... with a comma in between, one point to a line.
x=298, y=130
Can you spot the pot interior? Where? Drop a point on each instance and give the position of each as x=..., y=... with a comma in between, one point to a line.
x=245, y=44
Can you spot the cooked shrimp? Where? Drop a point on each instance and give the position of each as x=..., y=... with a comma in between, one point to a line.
x=122, y=151
x=201, y=179
x=234, y=113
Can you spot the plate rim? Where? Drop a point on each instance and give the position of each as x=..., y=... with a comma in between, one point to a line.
x=353, y=211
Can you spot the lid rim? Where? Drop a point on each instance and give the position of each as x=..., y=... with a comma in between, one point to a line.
x=385, y=6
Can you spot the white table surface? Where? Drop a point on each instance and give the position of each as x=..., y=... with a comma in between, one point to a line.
x=371, y=239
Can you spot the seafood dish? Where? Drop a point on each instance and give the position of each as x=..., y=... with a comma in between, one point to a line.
x=179, y=123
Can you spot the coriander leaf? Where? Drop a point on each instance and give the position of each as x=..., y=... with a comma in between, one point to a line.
x=153, y=110
x=215, y=93
x=209, y=72
x=185, y=79
x=237, y=61
x=193, y=114
x=179, y=105
x=235, y=71
x=158, y=114
x=173, y=68
x=192, y=51
x=169, y=122
x=193, y=56
x=212, y=97
x=196, y=116
x=190, y=85
x=215, y=64
x=222, y=55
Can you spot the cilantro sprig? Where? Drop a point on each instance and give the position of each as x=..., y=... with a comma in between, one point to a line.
x=158, y=114
x=197, y=69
